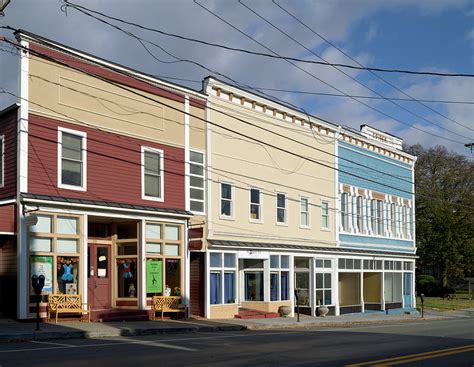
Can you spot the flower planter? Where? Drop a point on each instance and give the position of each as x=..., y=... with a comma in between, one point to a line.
x=284, y=311
x=323, y=311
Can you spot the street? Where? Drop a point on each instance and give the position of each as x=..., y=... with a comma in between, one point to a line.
x=421, y=343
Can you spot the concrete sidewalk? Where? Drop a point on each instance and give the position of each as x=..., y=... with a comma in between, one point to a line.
x=13, y=331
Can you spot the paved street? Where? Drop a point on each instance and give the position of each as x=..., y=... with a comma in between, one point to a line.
x=432, y=343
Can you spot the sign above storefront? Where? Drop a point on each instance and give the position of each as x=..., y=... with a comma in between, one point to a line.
x=253, y=254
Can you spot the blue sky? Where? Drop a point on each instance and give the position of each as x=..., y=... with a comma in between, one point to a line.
x=407, y=34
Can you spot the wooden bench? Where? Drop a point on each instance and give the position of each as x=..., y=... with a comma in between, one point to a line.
x=168, y=304
x=67, y=303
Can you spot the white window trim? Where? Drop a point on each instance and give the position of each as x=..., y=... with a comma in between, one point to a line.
x=2, y=165
x=203, y=164
x=222, y=270
x=159, y=151
x=285, y=222
x=304, y=226
x=328, y=228
x=221, y=216
x=260, y=204
x=83, y=135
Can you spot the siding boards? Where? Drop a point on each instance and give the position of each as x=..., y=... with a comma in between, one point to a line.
x=8, y=218
x=113, y=166
x=8, y=128
x=8, y=271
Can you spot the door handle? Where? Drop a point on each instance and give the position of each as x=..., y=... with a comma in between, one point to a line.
x=95, y=284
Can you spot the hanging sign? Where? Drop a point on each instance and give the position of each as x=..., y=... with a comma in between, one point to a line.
x=154, y=276
x=43, y=265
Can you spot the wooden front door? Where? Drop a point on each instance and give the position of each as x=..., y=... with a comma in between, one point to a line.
x=99, y=276
x=196, y=284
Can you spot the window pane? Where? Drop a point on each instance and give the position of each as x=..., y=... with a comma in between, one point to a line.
x=301, y=262
x=319, y=263
x=319, y=280
x=274, y=287
x=254, y=286
x=215, y=260
x=153, y=231
x=304, y=219
x=349, y=264
x=67, y=274
x=327, y=264
x=197, y=206
x=254, y=211
x=281, y=215
x=196, y=170
x=196, y=157
x=229, y=287
x=215, y=288
x=67, y=225
x=129, y=248
x=127, y=230
x=274, y=261
x=327, y=297
x=225, y=208
x=196, y=181
x=281, y=200
x=253, y=264
x=285, y=261
x=72, y=146
x=229, y=260
x=226, y=191
x=152, y=186
x=126, y=278
x=71, y=173
x=255, y=196
x=171, y=250
x=342, y=264
x=153, y=248
x=197, y=194
x=173, y=276
x=152, y=162
x=40, y=244
x=66, y=246
x=356, y=264
x=172, y=233
x=327, y=280
x=43, y=225
x=284, y=285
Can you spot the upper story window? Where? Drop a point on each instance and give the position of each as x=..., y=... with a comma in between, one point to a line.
x=345, y=211
x=404, y=222
x=304, y=212
x=72, y=158
x=325, y=215
x=360, y=216
x=255, y=205
x=196, y=187
x=227, y=197
x=380, y=217
x=2, y=159
x=393, y=218
x=152, y=174
x=281, y=208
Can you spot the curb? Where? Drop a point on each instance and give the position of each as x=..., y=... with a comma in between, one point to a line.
x=11, y=338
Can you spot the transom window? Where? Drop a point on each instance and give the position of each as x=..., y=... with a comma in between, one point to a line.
x=255, y=204
x=349, y=264
x=281, y=208
x=196, y=189
x=72, y=159
x=152, y=174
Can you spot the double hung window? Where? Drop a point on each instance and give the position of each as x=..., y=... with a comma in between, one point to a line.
x=227, y=198
x=72, y=159
x=281, y=208
x=255, y=205
x=324, y=215
x=152, y=174
x=304, y=212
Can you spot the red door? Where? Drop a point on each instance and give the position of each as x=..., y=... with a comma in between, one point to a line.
x=99, y=276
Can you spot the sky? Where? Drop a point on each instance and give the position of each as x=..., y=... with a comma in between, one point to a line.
x=418, y=35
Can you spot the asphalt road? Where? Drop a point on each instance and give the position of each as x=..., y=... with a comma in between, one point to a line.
x=423, y=343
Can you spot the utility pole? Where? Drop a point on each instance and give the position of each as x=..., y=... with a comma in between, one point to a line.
x=3, y=5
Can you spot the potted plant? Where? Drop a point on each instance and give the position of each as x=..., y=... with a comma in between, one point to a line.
x=322, y=310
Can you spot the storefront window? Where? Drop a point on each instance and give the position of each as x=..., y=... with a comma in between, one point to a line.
x=127, y=278
x=163, y=250
x=254, y=286
x=323, y=288
x=222, y=278
x=67, y=274
x=279, y=277
x=54, y=246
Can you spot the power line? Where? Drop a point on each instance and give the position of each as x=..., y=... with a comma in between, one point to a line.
x=77, y=7
x=322, y=81
x=351, y=77
x=118, y=85
x=361, y=65
x=141, y=41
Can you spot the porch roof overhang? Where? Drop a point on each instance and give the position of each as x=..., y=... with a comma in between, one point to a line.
x=78, y=203
x=305, y=248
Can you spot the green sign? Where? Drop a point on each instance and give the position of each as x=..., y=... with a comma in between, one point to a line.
x=154, y=276
x=43, y=265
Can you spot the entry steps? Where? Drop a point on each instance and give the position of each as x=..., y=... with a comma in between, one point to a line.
x=119, y=314
x=245, y=313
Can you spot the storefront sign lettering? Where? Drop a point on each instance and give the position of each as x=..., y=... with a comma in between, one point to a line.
x=43, y=265
x=154, y=276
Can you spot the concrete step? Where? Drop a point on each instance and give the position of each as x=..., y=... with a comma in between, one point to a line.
x=255, y=314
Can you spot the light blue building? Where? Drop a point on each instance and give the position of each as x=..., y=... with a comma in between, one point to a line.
x=376, y=201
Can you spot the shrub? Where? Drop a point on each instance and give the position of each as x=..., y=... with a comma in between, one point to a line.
x=426, y=284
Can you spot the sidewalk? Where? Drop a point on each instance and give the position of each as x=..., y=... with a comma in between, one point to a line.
x=14, y=331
